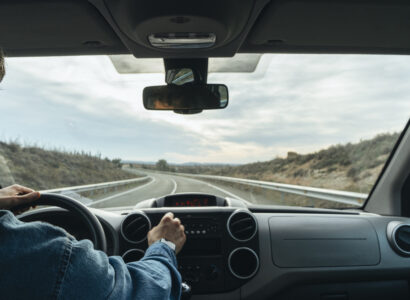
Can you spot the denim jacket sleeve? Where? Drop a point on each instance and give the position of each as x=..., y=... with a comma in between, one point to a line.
x=91, y=274
x=40, y=261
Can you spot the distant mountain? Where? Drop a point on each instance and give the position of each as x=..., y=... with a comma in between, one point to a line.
x=202, y=164
x=150, y=163
x=138, y=162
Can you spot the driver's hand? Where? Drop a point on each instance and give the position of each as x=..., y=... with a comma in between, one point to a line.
x=169, y=228
x=14, y=195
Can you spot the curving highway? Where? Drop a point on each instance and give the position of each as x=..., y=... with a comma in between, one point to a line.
x=165, y=184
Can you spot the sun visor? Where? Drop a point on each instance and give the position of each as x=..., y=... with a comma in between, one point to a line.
x=240, y=63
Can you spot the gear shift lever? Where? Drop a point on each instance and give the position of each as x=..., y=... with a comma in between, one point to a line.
x=186, y=291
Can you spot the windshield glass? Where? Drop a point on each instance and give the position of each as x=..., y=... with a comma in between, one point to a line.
x=306, y=121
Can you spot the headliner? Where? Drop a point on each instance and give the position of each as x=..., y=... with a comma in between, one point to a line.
x=78, y=27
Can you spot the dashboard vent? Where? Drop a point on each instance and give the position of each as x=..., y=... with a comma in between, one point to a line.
x=243, y=263
x=398, y=235
x=242, y=225
x=135, y=226
x=402, y=237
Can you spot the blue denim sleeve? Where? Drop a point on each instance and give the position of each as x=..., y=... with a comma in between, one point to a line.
x=91, y=274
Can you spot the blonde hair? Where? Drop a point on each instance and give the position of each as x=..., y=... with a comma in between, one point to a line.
x=2, y=68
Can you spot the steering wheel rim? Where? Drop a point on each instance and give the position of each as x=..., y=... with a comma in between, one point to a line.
x=80, y=210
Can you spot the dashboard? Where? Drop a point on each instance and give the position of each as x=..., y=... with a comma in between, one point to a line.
x=235, y=251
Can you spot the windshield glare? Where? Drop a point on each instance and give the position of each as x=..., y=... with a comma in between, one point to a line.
x=307, y=121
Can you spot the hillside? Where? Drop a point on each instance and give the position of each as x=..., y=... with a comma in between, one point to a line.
x=352, y=167
x=44, y=169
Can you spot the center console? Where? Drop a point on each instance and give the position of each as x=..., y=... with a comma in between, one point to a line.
x=221, y=252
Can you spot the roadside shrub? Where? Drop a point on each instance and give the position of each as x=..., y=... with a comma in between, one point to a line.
x=39, y=168
x=300, y=173
x=331, y=169
x=352, y=172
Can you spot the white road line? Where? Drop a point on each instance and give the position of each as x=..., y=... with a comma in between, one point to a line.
x=208, y=184
x=175, y=186
x=124, y=193
x=227, y=192
x=218, y=188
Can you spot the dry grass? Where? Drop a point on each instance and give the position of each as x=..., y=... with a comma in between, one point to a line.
x=352, y=167
x=40, y=169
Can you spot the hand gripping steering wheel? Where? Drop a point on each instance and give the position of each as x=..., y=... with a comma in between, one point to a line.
x=77, y=208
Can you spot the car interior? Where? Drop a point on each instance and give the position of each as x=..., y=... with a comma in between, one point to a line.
x=236, y=249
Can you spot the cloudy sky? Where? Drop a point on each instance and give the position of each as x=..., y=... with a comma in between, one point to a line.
x=297, y=103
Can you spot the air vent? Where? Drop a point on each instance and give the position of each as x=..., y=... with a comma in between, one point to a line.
x=243, y=263
x=135, y=226
x=398, y=235
x=133, y=255
x=242, y=225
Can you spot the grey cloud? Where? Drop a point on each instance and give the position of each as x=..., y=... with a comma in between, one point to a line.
x=301, y=102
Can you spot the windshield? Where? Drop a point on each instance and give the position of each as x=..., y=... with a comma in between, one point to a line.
x=294, y=124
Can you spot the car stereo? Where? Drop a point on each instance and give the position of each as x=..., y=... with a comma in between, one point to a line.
x=221, y=250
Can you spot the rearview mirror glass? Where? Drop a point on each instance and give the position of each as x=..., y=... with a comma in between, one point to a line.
x=179, y=76
x=186, y=98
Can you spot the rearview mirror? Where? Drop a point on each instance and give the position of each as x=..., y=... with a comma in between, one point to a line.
x=187, y=98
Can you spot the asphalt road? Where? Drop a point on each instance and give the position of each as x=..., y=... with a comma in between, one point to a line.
x=164, y=184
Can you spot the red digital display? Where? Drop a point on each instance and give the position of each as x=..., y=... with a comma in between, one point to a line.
x=190, y=202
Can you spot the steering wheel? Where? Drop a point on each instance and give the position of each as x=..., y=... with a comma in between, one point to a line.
x=80, y=210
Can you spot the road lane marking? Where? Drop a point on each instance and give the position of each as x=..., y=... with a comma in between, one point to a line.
x=175, y=186
x=124, y=193
x=227, y=192
x=217, y=188
x=203, y=183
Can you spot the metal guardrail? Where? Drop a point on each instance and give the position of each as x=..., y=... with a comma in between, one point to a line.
x=351, y=198
x=96, y=186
